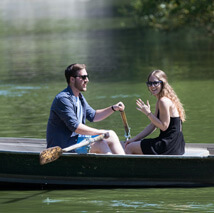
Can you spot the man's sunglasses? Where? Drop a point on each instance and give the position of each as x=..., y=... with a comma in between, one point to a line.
x=82, y=76
x=153, y=83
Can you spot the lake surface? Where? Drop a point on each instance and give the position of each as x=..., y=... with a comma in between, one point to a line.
x=109, y=200
x=39, y=39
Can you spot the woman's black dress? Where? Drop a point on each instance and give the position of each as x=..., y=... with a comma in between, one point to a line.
x=169, y=142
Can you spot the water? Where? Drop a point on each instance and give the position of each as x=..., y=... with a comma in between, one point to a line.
x=39, y=39
x=109, y=200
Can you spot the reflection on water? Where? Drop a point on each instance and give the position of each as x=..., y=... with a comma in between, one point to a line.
x=12, y=90
x=40, y=39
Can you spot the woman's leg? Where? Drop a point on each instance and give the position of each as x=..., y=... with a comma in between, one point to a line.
x=134, y=148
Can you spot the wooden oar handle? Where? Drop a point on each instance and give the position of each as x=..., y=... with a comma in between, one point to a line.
x=125, y=122
x=123, y=115
x=86, y=142
x=126, y=126
x=100, y=137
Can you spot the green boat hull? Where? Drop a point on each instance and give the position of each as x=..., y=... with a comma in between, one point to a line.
x=107, y=170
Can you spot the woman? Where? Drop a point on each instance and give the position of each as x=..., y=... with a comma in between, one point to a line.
x=168, y=117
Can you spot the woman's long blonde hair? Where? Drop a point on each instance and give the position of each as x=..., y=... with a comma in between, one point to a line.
x=167, y=91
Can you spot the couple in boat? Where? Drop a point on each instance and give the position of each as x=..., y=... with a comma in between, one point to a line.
x=69, y=111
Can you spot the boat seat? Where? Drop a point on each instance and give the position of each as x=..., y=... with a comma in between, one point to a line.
x=196, y=152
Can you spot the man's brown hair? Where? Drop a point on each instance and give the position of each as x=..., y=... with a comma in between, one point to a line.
x=72, y=70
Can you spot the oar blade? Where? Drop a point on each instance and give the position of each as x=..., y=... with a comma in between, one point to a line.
x=53, y=153
x=50, y=155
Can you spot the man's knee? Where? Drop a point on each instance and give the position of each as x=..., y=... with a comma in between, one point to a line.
x=100, y=147
x=112, y=134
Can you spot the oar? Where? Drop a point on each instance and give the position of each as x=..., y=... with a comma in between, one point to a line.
x=126, y=126
x=53, y=153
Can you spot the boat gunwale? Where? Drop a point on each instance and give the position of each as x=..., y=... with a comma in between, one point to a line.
x=91, y=155
x=31, y=141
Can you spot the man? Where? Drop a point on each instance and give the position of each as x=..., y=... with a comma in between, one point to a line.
x=69, y=111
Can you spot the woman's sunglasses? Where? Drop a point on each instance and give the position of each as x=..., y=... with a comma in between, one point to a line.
x=153, y=83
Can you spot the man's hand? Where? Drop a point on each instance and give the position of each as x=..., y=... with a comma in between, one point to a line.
x=119, y=107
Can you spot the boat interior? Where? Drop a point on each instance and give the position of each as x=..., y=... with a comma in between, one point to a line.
x=37, y=145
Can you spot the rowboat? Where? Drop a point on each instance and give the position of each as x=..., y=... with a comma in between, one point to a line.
x=20, y=164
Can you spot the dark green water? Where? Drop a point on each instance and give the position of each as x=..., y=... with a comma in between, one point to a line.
x=109, y=200
x=40, y=38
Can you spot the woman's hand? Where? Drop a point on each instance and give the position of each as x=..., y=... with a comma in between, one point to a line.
x=131, y=140
x=127, y=142
x=145, y=108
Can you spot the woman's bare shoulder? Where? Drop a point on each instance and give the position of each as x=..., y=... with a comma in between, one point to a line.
x=165, y=101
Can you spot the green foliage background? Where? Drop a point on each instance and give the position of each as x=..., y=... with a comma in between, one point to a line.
x=171, y=14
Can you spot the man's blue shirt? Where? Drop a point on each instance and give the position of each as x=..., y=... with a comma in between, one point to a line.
x=63, y=119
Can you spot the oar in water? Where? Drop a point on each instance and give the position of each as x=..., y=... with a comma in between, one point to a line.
x=53, y=153
x=126, y=126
